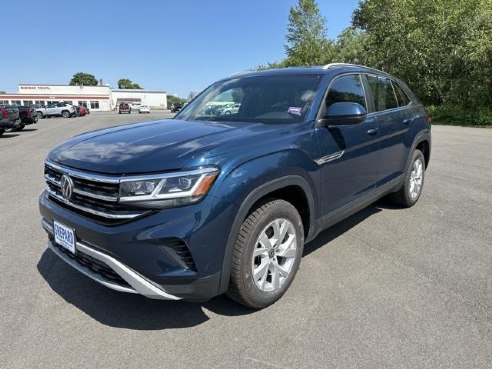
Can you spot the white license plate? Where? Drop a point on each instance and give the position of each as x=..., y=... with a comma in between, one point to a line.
x=64, y=236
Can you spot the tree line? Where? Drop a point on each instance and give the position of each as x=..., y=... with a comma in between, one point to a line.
x=87, y=79
x=441, y=48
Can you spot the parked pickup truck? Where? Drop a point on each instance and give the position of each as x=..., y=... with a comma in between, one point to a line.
x=9, y=116
x=57, y=110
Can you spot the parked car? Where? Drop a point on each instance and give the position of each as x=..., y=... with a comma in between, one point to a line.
x=28, y=114
x=83, y=111
x=10, y=119
x=229, y=109
x=199, y=205
x=60, y=109
x=144, y=109
x=124, y=108
x=176, y=107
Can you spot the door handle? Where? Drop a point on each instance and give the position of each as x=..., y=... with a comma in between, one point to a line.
x=407, y=121
x=372, y=131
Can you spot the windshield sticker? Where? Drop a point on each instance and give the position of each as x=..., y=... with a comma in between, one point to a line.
x=294, y=110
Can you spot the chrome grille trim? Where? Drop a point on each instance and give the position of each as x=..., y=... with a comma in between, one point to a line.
x=83, y=175
x=93, y=194
x=91, y=211
x=81, y=192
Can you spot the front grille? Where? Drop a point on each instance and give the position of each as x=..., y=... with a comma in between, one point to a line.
x=93, y=196
x=94, y=265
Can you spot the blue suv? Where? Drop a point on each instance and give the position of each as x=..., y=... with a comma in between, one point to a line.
x=212, y=202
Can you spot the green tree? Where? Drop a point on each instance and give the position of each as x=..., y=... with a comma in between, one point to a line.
x=171, y=99
x=349, y=47
x=125, y=83
x=85, y=79
x=442, y=49
x=306, y=36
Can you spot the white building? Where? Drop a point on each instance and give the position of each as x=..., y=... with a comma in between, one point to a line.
x=96, y=98
x=154, y=99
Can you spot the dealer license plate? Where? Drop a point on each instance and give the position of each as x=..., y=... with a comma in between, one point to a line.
x=64, y=236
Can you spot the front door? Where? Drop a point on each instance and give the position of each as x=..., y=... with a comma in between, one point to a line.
x=348, y=156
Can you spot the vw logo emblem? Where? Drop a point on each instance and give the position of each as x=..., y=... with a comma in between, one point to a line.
x=66, y=185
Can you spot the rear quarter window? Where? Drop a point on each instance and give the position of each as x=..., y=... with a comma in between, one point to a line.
x=402, y=97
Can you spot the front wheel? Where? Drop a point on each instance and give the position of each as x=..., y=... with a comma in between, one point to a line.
x=410, y=192
x=267, y=254
x=66, y=114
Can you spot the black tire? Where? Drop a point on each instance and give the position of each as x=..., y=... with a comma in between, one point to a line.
x=242, y=287
x=20, y=127
x=65, y=114
x=403, y=196
x=40, y=115
x=35, y=119
x=2, y=131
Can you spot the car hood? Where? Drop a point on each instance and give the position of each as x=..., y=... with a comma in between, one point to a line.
x=154, y=146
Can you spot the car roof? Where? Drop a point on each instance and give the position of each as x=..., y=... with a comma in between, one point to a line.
x=319, y=69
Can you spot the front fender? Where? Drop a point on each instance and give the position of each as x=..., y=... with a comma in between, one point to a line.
x=253, y=180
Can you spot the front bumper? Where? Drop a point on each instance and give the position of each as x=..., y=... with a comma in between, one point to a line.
x=138, y=251
x=135, y=283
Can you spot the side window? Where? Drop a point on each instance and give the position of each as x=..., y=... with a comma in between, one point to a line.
x=383, y=93
x=403, y=99
x=346, y=89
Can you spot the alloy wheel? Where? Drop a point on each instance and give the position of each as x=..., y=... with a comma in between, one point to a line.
x=274, y=255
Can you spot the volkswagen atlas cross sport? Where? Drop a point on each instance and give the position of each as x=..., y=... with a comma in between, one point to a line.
x=202, y=204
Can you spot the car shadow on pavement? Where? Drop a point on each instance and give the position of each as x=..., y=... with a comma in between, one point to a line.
x=29, y=129
x=345, y=225
x=8, y=135
x=124, y=310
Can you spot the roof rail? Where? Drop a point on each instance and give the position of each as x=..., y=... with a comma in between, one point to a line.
x=331, y=65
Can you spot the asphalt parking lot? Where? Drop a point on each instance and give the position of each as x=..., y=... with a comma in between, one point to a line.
x=386, y=288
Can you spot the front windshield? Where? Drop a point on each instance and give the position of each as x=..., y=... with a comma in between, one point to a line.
x=265, y=99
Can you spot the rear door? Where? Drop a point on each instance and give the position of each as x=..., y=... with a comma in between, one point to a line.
x=348, y=153
x=393, y=121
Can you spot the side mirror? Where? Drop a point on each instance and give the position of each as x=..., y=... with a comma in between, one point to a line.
x=343, y=113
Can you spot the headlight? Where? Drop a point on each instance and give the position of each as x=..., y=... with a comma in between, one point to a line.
x=168, y=190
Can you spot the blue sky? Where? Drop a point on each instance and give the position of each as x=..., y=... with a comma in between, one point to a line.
x=176, y=46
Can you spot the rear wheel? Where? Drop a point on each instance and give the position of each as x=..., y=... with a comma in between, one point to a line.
x=40, y=115
x=410, y=192
x=267, y=254
x=65, y=114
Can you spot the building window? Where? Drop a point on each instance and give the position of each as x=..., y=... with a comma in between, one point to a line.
x=83, y=103
x=94, y=104
x=68, y=102
x=16, y=102
x=39, y=102
x=27, y=102
x=4, y=102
